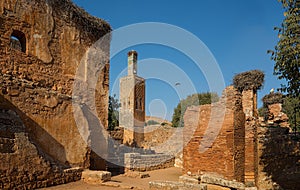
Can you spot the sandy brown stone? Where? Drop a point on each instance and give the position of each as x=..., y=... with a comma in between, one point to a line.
x=37, y=81
x=225, y=155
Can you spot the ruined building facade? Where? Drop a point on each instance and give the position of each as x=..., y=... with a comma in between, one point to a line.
x=42, y=43
x=216, y=137
x=225, y=139
x=132, y=99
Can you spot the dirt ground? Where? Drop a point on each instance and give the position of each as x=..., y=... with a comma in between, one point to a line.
x=125, y=182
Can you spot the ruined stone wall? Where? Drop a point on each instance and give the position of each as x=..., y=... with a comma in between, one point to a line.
x=139, y=162
x=165, y=139
x=38, y=82
x=276, y=117
x=279, y=159
x=251, y=124
x=225, y=156
x=23, y=165
x=156, y=135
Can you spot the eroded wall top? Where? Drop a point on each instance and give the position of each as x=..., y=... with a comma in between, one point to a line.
x=55, y=30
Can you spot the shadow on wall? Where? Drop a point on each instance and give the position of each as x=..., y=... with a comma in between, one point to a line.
x=36, y=134
x=97, y=140
x=280, y=157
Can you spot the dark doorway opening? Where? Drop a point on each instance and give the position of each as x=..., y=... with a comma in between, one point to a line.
x=18, y=41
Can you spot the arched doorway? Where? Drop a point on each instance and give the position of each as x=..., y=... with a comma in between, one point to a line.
x=18, y=41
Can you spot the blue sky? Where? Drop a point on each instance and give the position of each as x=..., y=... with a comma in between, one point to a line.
x=238, y=33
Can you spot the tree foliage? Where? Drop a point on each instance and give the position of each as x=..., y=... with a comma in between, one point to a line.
x=291, y=107
x=113, y=113
x=287, y=50
x=194, y=99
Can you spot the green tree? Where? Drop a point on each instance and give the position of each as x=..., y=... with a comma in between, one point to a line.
x=113, y=112
x=291, y=107
x=194, y=99
x=287, y=50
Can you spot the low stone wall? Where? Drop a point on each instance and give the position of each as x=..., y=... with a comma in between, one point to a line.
x=172, y=185
x=138, y=162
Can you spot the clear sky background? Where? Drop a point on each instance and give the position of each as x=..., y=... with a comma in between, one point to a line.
x=237, y=32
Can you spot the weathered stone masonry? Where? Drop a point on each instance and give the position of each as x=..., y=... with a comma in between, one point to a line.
x=251, y=125
x=23, y=165
x=225, y=119
x=260, y=156
x=36, y=80
x=139, y=162
x=279, y=159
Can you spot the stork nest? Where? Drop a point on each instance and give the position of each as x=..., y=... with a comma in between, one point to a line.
x=273, y=98
x=250, y=80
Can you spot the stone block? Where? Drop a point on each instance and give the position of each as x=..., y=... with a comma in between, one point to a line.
x=89, y=176
x=189, y=179
x=171, y=185
x=251, y=188
x=210, y=179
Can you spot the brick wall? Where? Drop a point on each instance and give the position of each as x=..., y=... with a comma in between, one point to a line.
x=250, y=110
x=223, y=124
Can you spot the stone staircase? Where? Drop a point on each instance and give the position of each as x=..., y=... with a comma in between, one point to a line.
x=7, y=145
x=9, y=124
x=23, y=165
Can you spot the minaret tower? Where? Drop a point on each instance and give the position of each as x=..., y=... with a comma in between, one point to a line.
x=132, y=99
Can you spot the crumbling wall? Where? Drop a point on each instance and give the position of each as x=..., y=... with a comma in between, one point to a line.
x=225, y=156
x=279, y=159
x=37, y=82
x=249, y=98
x=22, y=165
x=156, y=135
x=276, y=117
x=165, y=139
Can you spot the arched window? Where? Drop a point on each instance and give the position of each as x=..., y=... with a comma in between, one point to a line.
x=18, y=41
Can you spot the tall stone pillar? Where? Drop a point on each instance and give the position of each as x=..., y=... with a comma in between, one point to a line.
x=132, y=99
x=251, y=116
